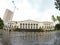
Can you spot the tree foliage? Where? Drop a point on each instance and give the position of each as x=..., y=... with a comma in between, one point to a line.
x=57, y=3
x=58, y=18
x=1, y=24
x=53, y=18
x=57, y=27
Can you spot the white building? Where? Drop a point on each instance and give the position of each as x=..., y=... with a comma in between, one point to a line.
x=8, y=15
x=31, y=24
x=26, y=24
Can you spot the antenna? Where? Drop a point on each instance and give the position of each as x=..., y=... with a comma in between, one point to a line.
x=14, y=6
x=10, y=27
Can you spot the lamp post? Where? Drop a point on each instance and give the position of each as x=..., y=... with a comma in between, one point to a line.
x=13, y=14
x=14, y=5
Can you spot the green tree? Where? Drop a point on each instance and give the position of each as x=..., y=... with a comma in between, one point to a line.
x=53, y=18
x=1, y=24
x=15, y=26
x=58, y=18
x=57, y=27
x=57, y=3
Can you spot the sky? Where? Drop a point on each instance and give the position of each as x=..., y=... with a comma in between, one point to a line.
x=39, y=10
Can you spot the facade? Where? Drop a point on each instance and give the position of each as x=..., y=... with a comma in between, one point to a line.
x=7, y=18
x=31, y=24
x=26, y=24
x=8, y=15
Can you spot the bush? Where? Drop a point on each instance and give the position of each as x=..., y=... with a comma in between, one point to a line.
x=42, y=30
x=1, y=24
x=57, y=27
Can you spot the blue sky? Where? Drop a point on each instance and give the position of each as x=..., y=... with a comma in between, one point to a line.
x=39, y=10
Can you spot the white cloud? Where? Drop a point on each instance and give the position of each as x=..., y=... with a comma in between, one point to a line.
x=29, y=9
x=25, y=12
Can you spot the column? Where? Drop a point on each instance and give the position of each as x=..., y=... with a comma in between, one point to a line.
x=34, y=26
x=28, y=26
x=20, y=25
x=31, y=26
x=23, y=25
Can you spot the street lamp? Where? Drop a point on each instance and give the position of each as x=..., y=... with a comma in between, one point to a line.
x=14, y=5
x=13, y=14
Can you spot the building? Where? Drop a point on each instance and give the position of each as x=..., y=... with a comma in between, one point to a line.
x=7, y=18
x=26, y=24
x=31, y=24
x=8, y=15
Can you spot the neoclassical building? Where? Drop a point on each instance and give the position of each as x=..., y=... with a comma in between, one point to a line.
x=26, y=24
x=31, y=24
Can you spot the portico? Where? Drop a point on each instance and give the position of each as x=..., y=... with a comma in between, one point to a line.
x=31, y=24
x=28, y=26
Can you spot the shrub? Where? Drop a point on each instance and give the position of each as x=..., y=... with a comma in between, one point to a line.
x=1, y=24
x=57, y=27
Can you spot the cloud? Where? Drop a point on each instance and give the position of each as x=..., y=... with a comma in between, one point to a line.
x=40, y=10
x=25, y=12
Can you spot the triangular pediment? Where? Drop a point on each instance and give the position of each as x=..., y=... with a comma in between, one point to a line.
x=29, y=21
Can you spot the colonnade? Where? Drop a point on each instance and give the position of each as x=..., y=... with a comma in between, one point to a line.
x=28, y=26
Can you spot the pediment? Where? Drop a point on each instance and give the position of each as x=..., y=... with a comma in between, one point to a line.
x=29, y=21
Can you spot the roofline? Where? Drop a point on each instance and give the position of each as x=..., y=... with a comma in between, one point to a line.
x=33, y=20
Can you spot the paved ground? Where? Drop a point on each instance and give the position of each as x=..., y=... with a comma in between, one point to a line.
x=23, y=38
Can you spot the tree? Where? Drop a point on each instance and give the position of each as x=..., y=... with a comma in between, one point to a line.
x=15, y=26
x=1, y=24
x=53, y=18
x=57, y=3
x=58, y=18
x=57, y=27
